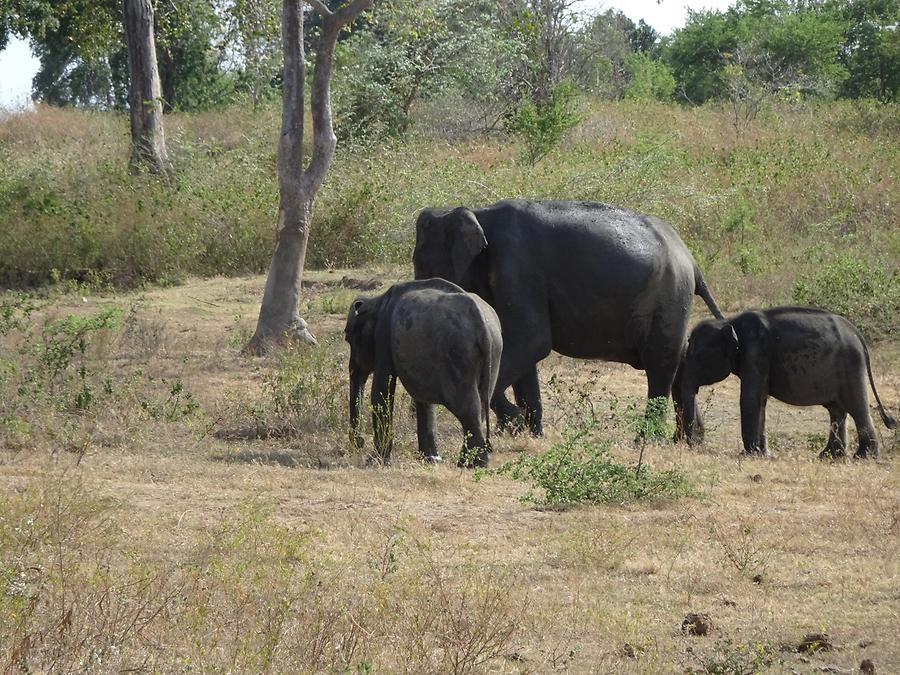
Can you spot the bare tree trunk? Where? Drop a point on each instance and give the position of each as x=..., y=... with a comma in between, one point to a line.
x=144, y=97
x=279, y=321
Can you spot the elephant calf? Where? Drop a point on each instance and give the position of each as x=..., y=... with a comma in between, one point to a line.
x=799, y=355
x=443, y=343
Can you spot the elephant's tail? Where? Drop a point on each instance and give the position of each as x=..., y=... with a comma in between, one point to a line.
x=701, y=289
x=889, y=421
x=486, y=393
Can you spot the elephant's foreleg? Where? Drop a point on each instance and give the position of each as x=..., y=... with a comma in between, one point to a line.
x=475, y=451
x=761, y=434
x=752, y=406
x=518, y=368
x=425, y=432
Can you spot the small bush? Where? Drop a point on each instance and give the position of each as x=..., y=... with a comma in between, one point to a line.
x=864, y=291
x=650, y=79
x=541, y=124
x=580, y=470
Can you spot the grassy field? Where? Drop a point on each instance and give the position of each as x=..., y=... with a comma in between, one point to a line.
x=801, y=206
x=167, y=504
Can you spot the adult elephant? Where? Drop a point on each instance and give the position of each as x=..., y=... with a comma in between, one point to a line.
x=587, y=280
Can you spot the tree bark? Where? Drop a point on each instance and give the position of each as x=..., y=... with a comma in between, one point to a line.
x=144, y=96
x=279, y=320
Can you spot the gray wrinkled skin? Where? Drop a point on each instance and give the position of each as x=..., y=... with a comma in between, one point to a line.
x=799, y=355
x=443, y=344
x=587, y=280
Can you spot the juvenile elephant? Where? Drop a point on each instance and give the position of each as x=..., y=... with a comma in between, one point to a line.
x=799, y=355
x=443, y=343
x=587, y=280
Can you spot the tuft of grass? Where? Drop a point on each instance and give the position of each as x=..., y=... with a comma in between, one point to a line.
x=580, y=470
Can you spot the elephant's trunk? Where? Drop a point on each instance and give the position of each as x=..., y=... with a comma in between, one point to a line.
x=688, y=424
x=358, y=378
x=691, y=423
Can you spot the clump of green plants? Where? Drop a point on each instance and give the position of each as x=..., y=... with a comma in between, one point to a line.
x=53, y=363
x=307, y=388
x=581, y=469
x=177, y=405
x=865, y=291
x=541, y=124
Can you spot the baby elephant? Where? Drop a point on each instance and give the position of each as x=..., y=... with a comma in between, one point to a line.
x=443, y=343
x=799, y=355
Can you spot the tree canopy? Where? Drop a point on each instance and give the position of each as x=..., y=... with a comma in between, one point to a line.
x=482, y=58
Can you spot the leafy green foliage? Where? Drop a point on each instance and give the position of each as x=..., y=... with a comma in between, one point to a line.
x=872, y=56
x=648, y=79
x=579, y=469
x=409, y=53
x=307, y=389
x=64, y=347
x=866, y=292
x=541, y=124
x=755, y=49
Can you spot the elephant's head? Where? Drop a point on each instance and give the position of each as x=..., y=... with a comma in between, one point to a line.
x=360, y=334
x=447, y=242
x=710, y=357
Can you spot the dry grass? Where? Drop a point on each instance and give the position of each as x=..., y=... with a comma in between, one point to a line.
x=233, y=538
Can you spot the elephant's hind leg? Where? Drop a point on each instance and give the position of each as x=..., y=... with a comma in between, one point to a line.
x=855, y=401
x=474, y=452
x=528, y=398
x=868, y=441
x=660, y=371
x=425, y=432
x=836, y=447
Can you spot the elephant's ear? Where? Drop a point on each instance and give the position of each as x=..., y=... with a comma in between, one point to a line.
x=466, y=241
x=362, y=317
x=731, y=343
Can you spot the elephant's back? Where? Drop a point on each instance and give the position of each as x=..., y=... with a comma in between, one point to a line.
x=612, y=246
x=437, y=337
x=604, y=273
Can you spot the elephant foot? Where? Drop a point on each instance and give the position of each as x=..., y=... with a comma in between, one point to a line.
x=865, y=454
x=473, y=458
x=832, y=454
x=758, y=453
x=432, y=459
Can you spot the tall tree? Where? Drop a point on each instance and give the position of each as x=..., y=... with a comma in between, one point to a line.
x=148, y=139
x=279, y=319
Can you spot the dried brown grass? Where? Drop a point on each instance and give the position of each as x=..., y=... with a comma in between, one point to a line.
x=156, y=544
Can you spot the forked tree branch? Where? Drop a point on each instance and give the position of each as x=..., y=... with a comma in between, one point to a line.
x=324, y=140
x=321, y=8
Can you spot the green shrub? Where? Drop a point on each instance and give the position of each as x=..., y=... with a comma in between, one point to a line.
x=580, y=470
x=650, y=79
x=307, y=389
x=541, y=124
x=865, y=291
